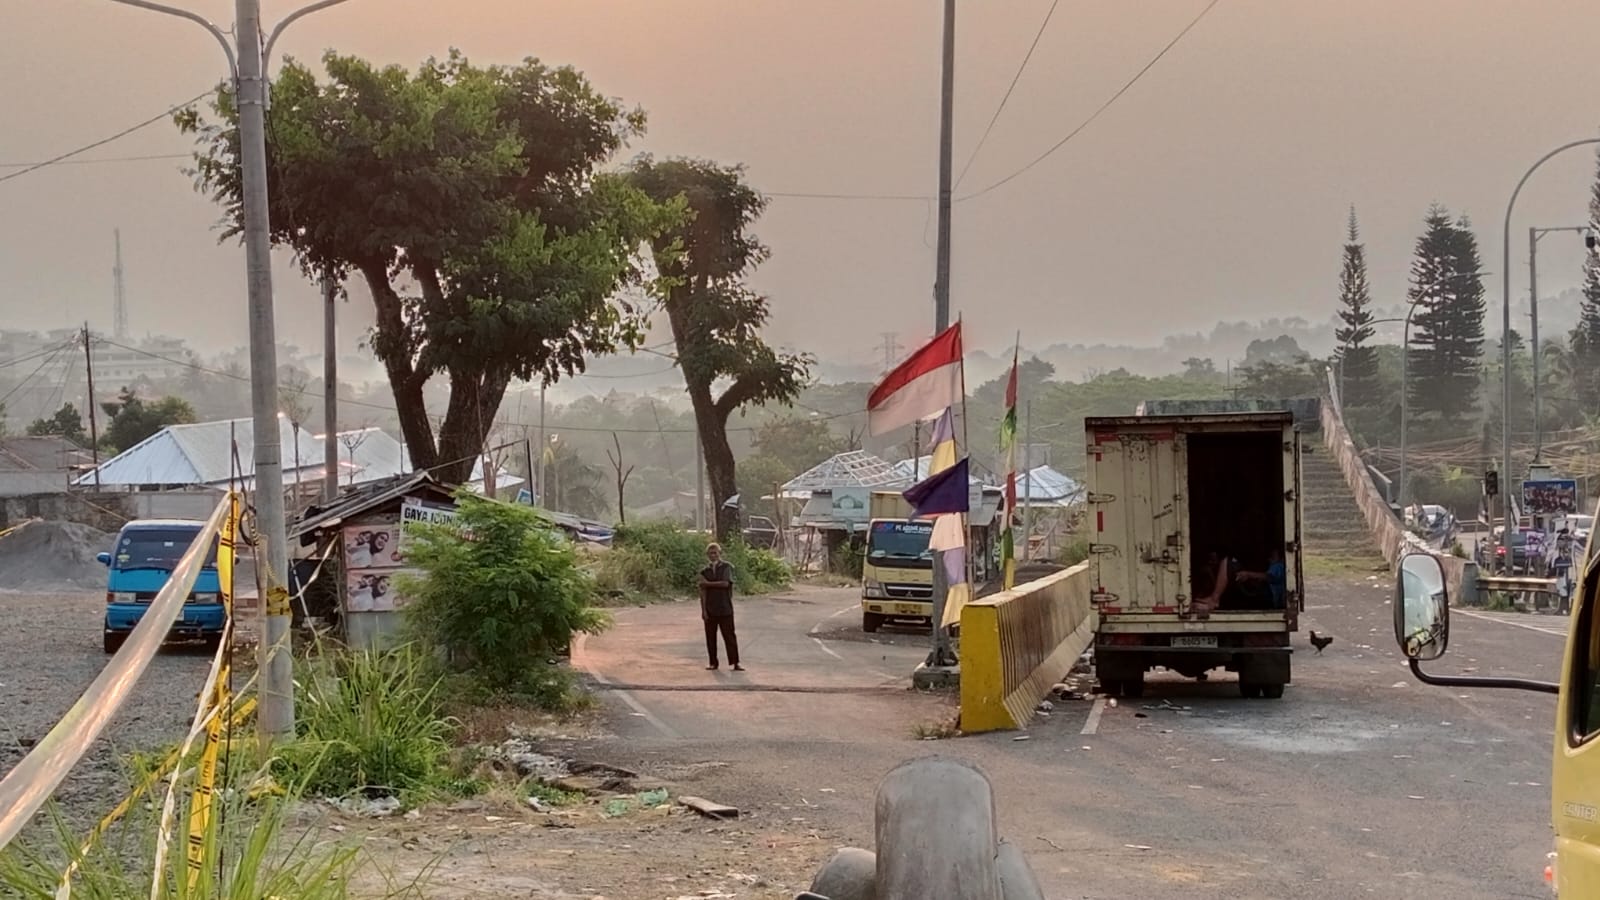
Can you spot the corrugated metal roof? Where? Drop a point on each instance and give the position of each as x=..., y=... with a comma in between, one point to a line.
x=913, y=473
x=201, y=455
x=198, y=454
x=853, y=468
x=1045, y=484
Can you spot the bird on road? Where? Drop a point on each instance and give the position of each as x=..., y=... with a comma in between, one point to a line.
x=1319, y=641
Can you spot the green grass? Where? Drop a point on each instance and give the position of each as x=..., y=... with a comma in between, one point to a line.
x=249, y=851
x=370, y=723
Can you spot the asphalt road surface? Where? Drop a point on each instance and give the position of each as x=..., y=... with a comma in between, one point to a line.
x=1360, y=781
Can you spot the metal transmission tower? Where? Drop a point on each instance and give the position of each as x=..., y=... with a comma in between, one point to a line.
x=119, y=294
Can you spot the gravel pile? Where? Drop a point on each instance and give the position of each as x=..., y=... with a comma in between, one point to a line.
x=49, y=652
x=43, y=556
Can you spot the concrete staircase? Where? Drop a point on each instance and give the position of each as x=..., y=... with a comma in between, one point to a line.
x=1332, y=525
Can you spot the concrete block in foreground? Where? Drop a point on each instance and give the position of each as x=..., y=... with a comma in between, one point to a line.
x=935, y=835
x=1017, y=881
x=850, y=874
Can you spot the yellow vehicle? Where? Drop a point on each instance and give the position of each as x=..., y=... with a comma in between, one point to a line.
x=1422, y=629
x=897, y=566
x=896, y=572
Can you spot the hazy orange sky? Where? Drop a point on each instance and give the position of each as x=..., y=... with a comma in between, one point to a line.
x=1217, y=187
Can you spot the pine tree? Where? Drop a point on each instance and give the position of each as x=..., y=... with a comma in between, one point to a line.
x=1357, y=359
x=1447, y=327
x=1585, y=338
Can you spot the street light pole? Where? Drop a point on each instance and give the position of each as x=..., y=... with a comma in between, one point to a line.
x=247, y=64
x=1534, y=234
x=941, y=654
x=1506, y=479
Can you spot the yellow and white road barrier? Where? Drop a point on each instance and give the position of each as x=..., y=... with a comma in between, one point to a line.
x=1016, y=644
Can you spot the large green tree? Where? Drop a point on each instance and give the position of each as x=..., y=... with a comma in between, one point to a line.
x=798, y=443
x=1447, y=326
x=1358, y=360
x=715, y=317
x=131, y=420
x=66, y=422
x=471, y=202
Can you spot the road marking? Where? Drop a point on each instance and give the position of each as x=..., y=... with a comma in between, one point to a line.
x=828, y=650
x=635, y=705
x=1477, y=615
x=1092, y=724
x=850, y=608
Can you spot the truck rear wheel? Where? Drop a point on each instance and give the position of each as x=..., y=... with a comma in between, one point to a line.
x=113, y=641
x=1249, y=689
x=1272, y=691
x=1133, y=688
x=871, y=622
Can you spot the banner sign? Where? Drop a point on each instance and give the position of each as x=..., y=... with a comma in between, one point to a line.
x=1550, y=496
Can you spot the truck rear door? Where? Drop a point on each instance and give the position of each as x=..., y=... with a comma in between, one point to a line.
x=1137, y=478
x=1296, y=601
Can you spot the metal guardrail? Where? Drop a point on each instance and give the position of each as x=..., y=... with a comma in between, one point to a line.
x=32, y=782
x=1516, y=584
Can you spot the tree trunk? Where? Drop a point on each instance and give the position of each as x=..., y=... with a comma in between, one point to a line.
x=474, y=402
x=393, y=349
x=720, y=468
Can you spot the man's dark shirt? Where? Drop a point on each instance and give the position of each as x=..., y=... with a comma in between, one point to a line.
x=717, y=601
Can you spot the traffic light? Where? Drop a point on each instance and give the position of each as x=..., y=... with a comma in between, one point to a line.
x=1491, y=482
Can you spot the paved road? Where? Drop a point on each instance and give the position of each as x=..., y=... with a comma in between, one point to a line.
x=1361, y=781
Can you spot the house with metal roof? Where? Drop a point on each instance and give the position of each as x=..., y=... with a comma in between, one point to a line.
x=203, y=456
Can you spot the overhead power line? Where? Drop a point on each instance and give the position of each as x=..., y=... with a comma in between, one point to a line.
x=437, y=418
x=56, y=160
x=1009, y=88
x=1103, y=107
x=96, y=161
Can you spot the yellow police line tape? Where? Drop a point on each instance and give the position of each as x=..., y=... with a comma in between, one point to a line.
x=6, y=531
x=31, y=782
x=215, y=698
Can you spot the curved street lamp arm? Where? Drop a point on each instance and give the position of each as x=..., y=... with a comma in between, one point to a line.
x=266, y=52
x=1505, y=318
x=202, y=21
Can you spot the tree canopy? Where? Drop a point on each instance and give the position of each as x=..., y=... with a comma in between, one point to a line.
x=1358, y=360
x=471, y=202
x=1447, y=326
x=131, y=420
x=715, y=317
x=65, y=422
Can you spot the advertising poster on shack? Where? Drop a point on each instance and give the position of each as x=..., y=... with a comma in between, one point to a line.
x=374, y=590
x=1551, y=497
x=372, y=547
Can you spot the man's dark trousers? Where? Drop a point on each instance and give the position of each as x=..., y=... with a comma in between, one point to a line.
x=725, y=625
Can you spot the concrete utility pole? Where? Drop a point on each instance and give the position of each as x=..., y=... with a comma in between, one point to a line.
x=1027, y=475
x=941, y=654
x=330, y=390
x=543, y=449
x=94, y=428
x=247, y=62
x=1508, y=483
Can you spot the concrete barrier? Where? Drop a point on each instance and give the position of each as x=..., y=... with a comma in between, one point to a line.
x=1391, y=536
x=1016, y=644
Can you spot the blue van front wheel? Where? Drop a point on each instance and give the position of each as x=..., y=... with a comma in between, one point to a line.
x=114, y=641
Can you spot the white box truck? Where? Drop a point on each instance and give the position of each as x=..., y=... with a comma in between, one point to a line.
x=1173, y=499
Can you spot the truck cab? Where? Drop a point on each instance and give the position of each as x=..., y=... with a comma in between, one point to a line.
x=896, y=572
x=141, y=563
x=1422, y=631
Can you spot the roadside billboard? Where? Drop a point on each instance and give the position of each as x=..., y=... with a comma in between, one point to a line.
x=1550, y=497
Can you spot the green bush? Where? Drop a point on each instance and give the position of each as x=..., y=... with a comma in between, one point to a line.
x=660, y=559
x=1073, y=552
x=500, y=597
x=368, y=722
x=848, y=559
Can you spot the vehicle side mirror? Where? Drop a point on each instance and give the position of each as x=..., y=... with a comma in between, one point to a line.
x=1421, y=607
x=103, y=558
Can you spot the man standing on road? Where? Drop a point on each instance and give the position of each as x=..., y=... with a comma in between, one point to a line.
x=716, y=607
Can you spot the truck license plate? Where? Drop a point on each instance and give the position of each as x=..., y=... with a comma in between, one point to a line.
x=1193, y=641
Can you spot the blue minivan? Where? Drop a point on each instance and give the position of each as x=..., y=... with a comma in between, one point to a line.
x=141, y=562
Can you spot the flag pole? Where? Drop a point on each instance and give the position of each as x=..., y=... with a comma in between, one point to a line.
x=966, y=520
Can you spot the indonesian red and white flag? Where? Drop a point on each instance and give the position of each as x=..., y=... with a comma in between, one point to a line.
x=927, y=383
